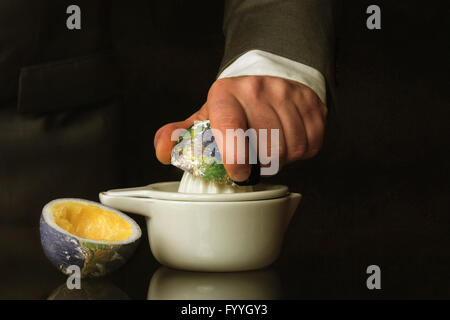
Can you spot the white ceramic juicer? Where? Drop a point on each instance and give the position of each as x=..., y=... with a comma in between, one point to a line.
x=210, y=232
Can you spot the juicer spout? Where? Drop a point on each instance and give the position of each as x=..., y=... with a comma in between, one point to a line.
x=126, y=203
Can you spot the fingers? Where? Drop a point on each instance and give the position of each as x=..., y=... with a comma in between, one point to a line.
x=166, y=136
x=313, y=115
x=164, y=139
x=271, y=147
x=293, y=130
x=225, y=112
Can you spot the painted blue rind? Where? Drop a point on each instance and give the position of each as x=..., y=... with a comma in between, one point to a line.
x=61, y=249
x=204, y=138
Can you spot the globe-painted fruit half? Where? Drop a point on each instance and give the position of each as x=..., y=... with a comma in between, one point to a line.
x=97, y=239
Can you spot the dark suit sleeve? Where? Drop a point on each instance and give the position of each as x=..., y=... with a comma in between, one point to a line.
x=300, y=30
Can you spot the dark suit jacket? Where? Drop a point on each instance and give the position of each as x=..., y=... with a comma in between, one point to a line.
x=59, y=118
x=302, y=31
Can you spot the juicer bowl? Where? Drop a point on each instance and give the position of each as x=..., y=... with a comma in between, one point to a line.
x=188, y=232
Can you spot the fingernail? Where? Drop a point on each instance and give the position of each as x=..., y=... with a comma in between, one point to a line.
x=156, y=151
x=254, y=178
x=155, y=141
x=156, y=145
x=241, y=173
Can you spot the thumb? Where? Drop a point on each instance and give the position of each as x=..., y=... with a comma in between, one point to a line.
x=166, y=137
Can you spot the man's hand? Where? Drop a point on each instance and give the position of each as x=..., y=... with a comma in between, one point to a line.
x=258, y=102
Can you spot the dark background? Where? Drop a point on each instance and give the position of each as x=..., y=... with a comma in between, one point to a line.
x=378, y=193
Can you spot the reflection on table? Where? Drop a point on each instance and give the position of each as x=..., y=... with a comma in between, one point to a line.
x=169, y=284
x=91, y=289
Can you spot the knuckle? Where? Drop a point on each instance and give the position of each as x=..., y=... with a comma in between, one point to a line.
x=252, y=87
x=281, y=90
x=297, y=94
x=218, y=87
x=297, y=153
x=310, y=96
x=308, y=112
x=254, y=83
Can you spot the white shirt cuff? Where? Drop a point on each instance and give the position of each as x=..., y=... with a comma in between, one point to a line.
x=262, y=63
